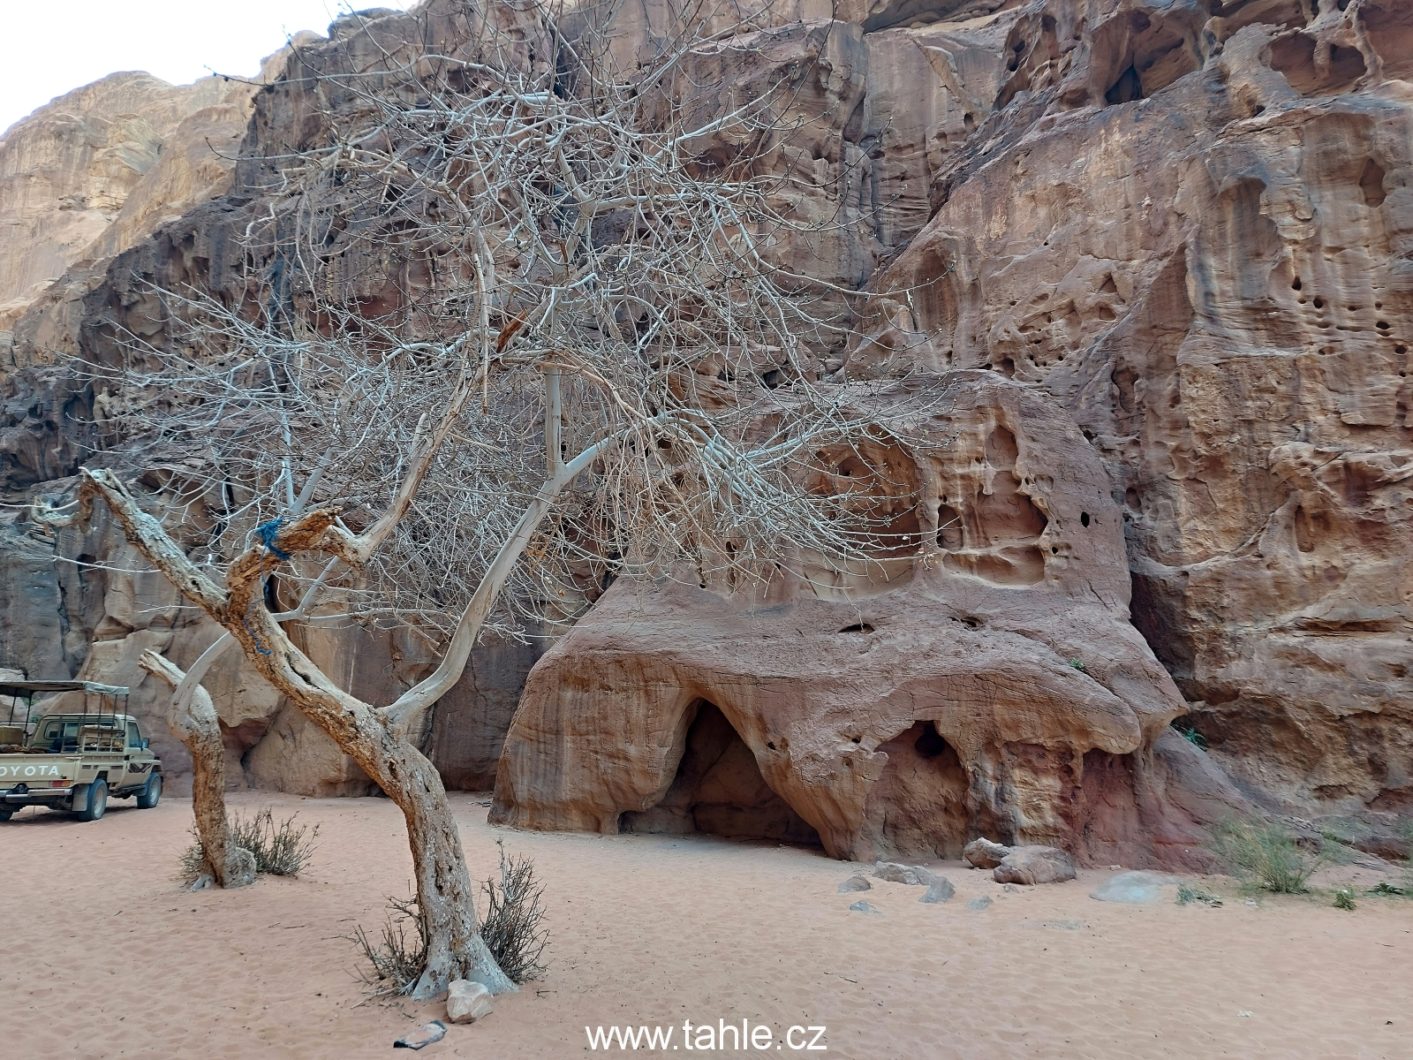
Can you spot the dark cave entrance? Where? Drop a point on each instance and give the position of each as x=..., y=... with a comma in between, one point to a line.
x=918, y=805
x=718, y=789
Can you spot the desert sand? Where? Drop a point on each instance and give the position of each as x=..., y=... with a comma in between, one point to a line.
x=106, y=955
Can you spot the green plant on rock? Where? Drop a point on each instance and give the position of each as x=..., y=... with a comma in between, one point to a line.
x=1191, y=735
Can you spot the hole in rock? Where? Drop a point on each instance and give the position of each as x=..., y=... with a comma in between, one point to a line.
x=858, y=627
x=718, y=789
x=1295, y=57
x=1083, y=518
x=1126, y=89
x=918, y=803
x=949, y=528
x=930, y=743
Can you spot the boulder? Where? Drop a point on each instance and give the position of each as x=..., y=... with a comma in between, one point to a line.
x=467, y=1002
x=855, y=883
x=984, y=854
x=1034, y=864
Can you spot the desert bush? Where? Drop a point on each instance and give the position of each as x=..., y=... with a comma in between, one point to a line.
x=281, y=849
x=511, y=928
x=1344, y=898
x=1189, y=895
x=1267, y=854
x=394, y=964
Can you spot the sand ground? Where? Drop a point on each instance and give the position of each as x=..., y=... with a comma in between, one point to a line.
x=104, y=955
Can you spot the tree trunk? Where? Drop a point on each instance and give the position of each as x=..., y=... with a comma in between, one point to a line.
x=445, y=898
x=198, y=727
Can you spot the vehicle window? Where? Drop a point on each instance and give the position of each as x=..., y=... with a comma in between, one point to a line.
x=133, y=738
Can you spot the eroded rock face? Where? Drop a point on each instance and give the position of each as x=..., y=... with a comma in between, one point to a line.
x=987, y=682
x=96, y=170
x=1189, y=224
x=1195, y=233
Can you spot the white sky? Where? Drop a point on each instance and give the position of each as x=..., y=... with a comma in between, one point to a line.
x=48, y=47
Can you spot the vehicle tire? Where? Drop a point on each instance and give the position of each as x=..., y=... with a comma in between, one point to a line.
x=6, y=812
x=151, y=794
x=97, y=803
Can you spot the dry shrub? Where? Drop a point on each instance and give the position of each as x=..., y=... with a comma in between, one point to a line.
x=395, y=963
x=511, y=928
x=281, y=849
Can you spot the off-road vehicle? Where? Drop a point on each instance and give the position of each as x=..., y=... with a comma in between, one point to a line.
x=75, y=761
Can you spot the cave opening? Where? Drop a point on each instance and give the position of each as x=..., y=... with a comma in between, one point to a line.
x=918, y=805
x=718, y=789
x=1127, y=88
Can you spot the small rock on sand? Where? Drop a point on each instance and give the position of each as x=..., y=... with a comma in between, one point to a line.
x=467, y=1002
x=939, y=890
x=1135, y=888
x=1032, y=865
x=980, y=903
x=893, y=872
x=866, y=907
x=855, y=883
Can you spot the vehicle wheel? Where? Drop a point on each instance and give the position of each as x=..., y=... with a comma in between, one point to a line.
x=6, y=812
x=97, y=803
x=150, y=795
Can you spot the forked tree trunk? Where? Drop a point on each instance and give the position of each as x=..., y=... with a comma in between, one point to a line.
x=375, y=739
x=198, y=727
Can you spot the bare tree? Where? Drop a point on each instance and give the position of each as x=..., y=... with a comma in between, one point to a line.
x=197, y=725
x=520, y=325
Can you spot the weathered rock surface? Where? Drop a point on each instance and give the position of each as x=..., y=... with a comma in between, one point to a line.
x=855, y=883
x=164, y=158
x=987, y=680
x=1189, y=224
x=1195, y=233
x=98, y=169
x=1031, y=865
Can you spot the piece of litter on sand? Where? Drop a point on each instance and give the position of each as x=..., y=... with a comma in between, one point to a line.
x=1246, y=1014
x=423, y=1036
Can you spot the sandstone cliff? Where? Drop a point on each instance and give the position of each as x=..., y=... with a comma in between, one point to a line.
x=1181, y=228
x=97, y=169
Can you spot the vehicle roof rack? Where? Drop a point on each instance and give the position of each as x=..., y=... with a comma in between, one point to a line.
x=28, y=688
